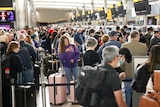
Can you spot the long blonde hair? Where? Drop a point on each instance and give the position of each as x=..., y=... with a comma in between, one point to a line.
x=61, y=44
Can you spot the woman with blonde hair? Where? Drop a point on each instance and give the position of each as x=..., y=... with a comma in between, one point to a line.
x=12, y=52
x=68, y=54
x=11, y=71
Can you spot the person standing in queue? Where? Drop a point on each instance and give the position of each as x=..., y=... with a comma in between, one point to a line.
x=68, y=54
x=10, y=72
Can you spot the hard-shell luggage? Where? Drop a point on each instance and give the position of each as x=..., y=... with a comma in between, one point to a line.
x=152, y=98
x=36, y=75
x=25, y=96
x=72, y=92
x=57, y=94
x=148, y=102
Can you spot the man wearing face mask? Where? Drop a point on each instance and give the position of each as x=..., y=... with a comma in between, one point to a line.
x=148, y=35
x=112, y=82
x=137, y=49
x=155, y=40
x=125, y=56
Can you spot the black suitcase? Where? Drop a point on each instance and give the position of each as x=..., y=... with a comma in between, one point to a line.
x=36, y=75
x=25, y=96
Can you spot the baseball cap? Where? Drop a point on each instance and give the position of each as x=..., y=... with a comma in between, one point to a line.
x=51, y=30
x=113, y=33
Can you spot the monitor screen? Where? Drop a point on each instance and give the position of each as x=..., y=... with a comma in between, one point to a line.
x=102, y=14
x=11, y=15
x=114, y=12
x=121, y=12
x=6, y=3
x=142, y=7
x=7, y=15
x=7, y=27
x=3, y=16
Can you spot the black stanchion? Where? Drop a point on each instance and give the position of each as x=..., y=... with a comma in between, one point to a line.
x=42, y=80
x=1, y=103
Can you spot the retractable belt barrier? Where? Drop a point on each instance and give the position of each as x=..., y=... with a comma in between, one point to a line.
x=46, y=85
x=43, y=84
x=127, y=80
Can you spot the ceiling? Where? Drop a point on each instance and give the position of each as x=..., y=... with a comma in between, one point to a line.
x=72, y=4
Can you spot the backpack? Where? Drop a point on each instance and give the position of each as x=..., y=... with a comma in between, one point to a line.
x=88, y=89
x=25, y=57
x=5, y=66
x=140, y=79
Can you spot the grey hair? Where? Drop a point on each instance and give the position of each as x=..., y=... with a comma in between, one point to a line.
x=109, y=53
x=79, y=29
x=21, y=36
x=91, y=42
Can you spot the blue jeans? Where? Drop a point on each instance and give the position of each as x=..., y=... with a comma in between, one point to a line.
x=80, y=49
x=128, y=92
x=28, y=75
x=71, y=71
x=19, y=78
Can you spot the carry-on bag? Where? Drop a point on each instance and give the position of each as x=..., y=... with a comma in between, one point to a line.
x=72, y=92
x=152, y=98
x=25, y=96
x=57, y=94
x=36, y=75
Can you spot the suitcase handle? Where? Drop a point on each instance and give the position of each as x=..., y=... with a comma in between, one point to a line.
x=55, y=93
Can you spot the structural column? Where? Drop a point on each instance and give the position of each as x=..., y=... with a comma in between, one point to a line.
x=92, y=3
x=21, y=8
x=83, y=13
x=105, y=9
x=145, y=20
x=32, y=14
x=1, y=105
x=158, y=19
x=125, y=8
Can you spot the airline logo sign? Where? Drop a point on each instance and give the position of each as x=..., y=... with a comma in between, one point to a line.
x=109, y=15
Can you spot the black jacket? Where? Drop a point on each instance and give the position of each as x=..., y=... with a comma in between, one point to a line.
x=154, y=41
x=30, y=48
x=15, y=65
x=3, y=47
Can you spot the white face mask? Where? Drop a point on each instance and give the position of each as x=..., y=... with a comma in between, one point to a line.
x=152, y=33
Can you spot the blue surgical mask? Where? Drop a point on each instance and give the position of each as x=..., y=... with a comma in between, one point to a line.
x=121, y=61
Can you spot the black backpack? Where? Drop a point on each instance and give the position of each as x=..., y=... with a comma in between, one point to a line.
x=25, y=57
x=88, y=90
x=140, y=79
x=5, y=66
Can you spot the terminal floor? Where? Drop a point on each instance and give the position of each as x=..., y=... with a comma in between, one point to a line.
x=39, y=100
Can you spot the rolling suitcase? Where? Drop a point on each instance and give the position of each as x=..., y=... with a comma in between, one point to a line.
x=25, y=96
x=36, y=75
x=57, y=94
x=152, y=98
x=72, y=93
